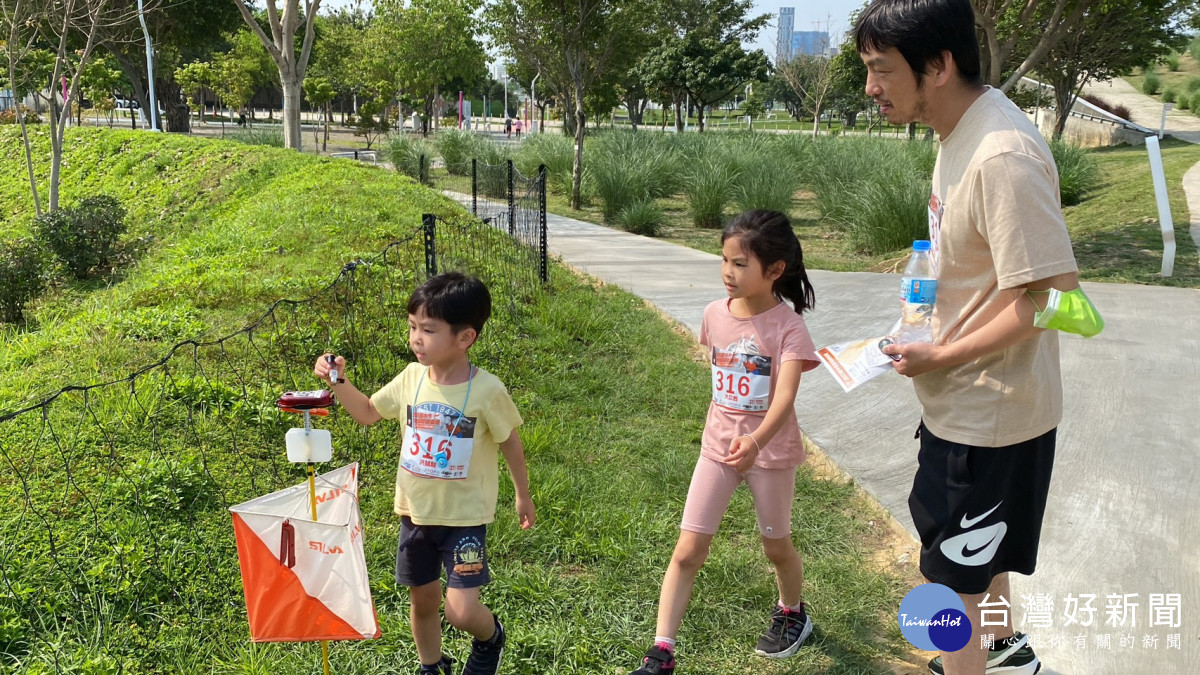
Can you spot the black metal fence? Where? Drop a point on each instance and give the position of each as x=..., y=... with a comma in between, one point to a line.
x=114, y=537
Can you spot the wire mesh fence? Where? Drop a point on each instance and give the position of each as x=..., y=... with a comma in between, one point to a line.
x=112, y=509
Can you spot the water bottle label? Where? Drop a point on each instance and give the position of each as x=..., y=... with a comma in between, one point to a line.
x=918, y=291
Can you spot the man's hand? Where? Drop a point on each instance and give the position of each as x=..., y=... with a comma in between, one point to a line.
x=916, y=358
x=743, y=450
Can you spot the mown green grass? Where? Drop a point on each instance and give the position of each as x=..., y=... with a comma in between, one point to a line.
x=146, y=577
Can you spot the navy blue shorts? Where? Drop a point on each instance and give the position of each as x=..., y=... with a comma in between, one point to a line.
x=979, y=510
x=425, y=550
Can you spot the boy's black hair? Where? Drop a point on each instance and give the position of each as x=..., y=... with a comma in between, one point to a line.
x=769, y=237
x=921, y=30
x=456, y=298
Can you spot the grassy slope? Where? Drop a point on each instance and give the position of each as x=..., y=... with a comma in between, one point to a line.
x=220, y=253
x=614, y=403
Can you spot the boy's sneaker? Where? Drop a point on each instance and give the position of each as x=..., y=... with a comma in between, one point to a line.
x=659, y=661
x=788, y=630
x=1012, y=656
x=485, y=654
x=442, y=667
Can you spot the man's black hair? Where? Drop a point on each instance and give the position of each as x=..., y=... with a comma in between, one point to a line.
x=921, y=30
x=456, y=298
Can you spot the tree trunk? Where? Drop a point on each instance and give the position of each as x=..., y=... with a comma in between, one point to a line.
x=700, y=117
x=577, y=171
x=291, y=112
x=679, y=117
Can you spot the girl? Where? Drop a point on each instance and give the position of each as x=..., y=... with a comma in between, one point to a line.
x=759, y=348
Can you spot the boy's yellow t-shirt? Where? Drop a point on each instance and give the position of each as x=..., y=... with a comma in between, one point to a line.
x=467, y=495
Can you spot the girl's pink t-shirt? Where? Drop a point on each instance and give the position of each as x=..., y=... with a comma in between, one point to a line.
x=755, y=346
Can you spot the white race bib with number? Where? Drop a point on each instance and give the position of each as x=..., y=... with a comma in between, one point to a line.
x=438, y=442
x=741, y=381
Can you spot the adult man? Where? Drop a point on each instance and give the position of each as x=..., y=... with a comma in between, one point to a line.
x=989, y=384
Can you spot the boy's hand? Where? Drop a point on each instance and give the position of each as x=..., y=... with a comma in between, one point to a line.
x=321, y=368
x=743, y=450
x=526, y=514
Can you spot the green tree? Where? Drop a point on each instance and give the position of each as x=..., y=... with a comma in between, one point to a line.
x=427, y=44
x=1016, y=36
x=570, y=44
x=194, y=78
x=1111, y=38
x=320, y=93
x=100, y=78
x=233, y=83
x=290, y=59
x=700, y=55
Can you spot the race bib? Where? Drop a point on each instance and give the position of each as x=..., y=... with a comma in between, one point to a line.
x=438, y=441
x=741, y=381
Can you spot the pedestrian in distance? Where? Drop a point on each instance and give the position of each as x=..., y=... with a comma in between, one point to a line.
x=759, y=347
x=508, y=127
x=989, y=382
x=458, y=419
x=517, y=126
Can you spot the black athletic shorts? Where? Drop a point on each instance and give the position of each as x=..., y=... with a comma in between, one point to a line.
x=425, y=550
x=979, y=510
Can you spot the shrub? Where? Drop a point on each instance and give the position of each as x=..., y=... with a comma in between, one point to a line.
x=1151, y=83
x=83, y=238
x=1192, y=85
x=1119, y=110
x=1185, y=102
x=1196, y=103
x=874, y=190
x=626, y=167
x=766, y=184
x=1168, y=95
x=24, y=270
x=455, y=148
x=1194, y=48
x=1172, y=62
x=270, y=135
x=9, y=116
x=710, y=188
x=556, y=152
x=405, y=151
x=643, y=217
x=1078, y=172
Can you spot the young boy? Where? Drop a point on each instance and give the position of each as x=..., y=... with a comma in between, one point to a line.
x=457, y=418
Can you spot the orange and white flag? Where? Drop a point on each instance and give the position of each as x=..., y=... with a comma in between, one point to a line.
x=306, y=580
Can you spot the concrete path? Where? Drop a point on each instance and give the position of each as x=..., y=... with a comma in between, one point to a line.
x=1124, y=513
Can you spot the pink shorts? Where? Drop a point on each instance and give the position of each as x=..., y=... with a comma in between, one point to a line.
x=712, y=487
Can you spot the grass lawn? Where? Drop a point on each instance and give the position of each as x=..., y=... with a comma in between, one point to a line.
x=1184, y=80
x=145, y=578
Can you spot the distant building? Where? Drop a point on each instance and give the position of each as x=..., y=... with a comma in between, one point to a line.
x=783, y=42
x=810, y=42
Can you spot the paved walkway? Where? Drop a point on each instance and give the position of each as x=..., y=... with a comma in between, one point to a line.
x=1124, y=514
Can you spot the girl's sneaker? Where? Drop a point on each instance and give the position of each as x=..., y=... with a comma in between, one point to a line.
x=443, y=667
x=788, y=630
x=1012, y=656
x=659, y=661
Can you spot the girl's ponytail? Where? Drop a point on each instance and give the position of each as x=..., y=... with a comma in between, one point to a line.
x=769, y=237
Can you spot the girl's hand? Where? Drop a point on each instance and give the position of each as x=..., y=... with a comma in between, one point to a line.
x=526, y=513
x=743, y=450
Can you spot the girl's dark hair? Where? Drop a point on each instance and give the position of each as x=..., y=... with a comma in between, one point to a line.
x=921, y=30
x=460, y=300
x=769, y=237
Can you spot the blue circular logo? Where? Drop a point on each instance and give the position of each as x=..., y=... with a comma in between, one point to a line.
x=932, y=617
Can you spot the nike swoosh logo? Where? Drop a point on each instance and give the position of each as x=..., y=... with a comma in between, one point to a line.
x=975, y=547
x=968, y=522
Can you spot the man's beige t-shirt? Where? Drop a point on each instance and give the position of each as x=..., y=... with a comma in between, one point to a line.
x=996, y=223
x=488, y=418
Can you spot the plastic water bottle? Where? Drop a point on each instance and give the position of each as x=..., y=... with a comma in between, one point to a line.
x=918, y=292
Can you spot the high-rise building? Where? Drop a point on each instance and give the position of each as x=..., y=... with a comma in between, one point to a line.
x=783, y=42
x=810, y=42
